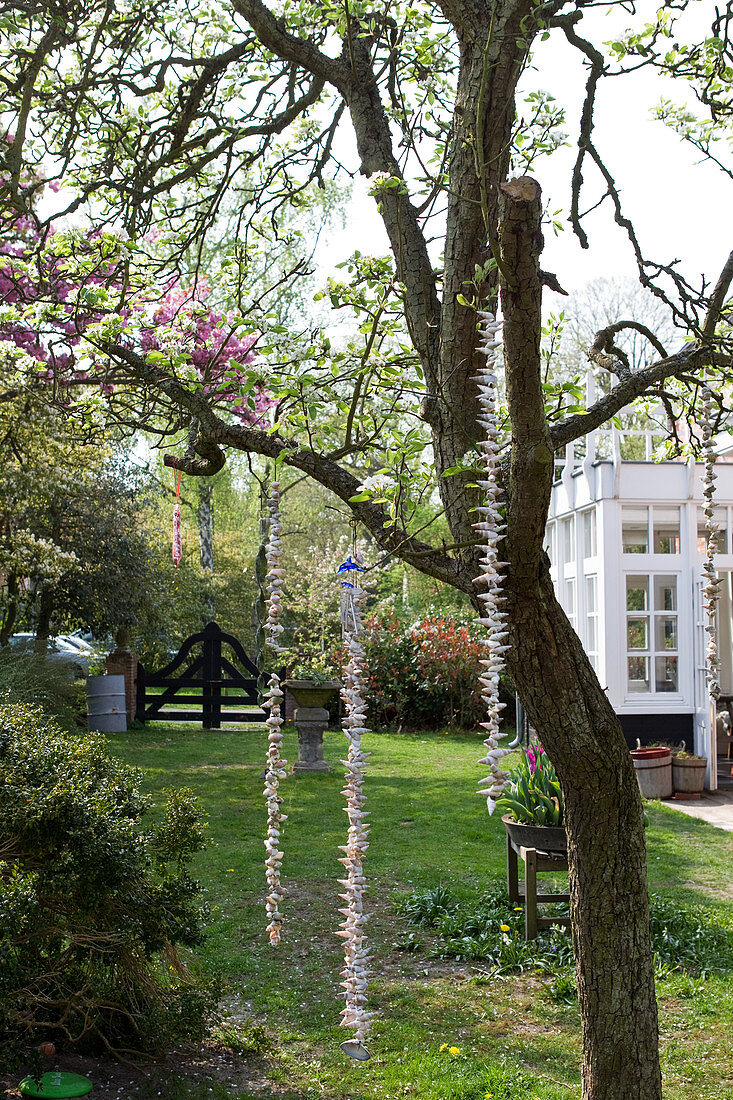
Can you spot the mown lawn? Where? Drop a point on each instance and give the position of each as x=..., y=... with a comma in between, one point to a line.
x=516, y=1039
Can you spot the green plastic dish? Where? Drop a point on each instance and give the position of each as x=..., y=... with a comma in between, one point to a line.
x=59, y=1085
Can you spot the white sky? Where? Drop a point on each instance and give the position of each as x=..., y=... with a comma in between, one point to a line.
x=679, y=205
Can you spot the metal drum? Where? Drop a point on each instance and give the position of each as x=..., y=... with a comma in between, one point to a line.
x=106, y=708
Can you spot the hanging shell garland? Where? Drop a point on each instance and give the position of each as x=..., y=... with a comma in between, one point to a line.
x=712, y=583
x=356, y=957
x=494, y=617
x=275, y=763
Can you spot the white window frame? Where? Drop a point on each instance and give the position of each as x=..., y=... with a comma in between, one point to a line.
x=651, y=652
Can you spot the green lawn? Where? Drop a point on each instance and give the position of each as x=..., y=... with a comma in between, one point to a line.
x=428, y=828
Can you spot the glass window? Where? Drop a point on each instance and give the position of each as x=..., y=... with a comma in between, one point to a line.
x=550, y=542
x=570, y=607
x=638, y=674
x=665, y=674
x=567, y=529
x=632, y=446
x=652, y=634
x=637, y=593
x=591, y=619
x=635, y=530
x=721, y=539
x=589, y=534
x=665, y=632
x=637, y=633
x=591, y=594
x=665, y=593
x=666, y=530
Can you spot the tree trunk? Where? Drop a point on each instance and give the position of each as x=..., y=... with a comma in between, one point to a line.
x=606, y=848
x=205, y=515
x=46, y=609
x=206, y=524
x=11, y=614
x=570, y=711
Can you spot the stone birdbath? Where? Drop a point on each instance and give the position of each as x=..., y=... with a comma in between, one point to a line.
x=311, y=719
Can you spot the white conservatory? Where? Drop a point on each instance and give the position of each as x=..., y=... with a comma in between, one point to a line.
x=626, y=538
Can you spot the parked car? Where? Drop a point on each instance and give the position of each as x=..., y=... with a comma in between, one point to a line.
x=62, y=650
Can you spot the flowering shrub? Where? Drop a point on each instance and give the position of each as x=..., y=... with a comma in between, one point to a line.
x=69, y=297
x=425, y=674
x=534, y=796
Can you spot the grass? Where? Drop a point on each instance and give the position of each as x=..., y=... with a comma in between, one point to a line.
x=516, y=1035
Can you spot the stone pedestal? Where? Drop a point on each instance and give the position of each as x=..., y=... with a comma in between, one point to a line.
x=310, y=723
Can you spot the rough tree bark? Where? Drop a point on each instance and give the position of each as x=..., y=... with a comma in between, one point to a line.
x=565, y=703
x=46, y=608
x=11, y=614
x=554, y=679
x=606, y=846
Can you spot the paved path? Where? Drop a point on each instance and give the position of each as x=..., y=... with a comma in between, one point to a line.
x=715, y=807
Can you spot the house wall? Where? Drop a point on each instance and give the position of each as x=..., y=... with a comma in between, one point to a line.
x=607, y=486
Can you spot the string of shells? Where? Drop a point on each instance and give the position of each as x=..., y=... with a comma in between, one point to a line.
x=491, y=529
x=275, y=762
x=355, y=973
x=712, y=583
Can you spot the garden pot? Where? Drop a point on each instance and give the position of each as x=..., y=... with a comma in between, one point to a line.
x=688, y=776
x=653, y=771
x=545, y=838
x=310, y=693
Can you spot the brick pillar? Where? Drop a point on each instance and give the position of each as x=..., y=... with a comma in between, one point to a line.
x=123, y=662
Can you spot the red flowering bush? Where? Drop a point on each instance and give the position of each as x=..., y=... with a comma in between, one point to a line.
x=425, y=674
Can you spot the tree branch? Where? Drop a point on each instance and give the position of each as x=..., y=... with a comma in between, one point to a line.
x=531, y=463
x=717, y=298
x=216, y=433
x=271, y=32
x=692, y=357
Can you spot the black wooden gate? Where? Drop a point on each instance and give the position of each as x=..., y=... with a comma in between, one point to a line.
x=195, y=681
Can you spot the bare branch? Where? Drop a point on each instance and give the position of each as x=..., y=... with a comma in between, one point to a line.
x=717, y=298
x=691, y=357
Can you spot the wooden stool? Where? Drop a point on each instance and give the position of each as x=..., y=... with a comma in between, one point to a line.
x=534, y=862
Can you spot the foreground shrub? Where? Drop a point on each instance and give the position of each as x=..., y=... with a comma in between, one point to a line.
x=94, y=910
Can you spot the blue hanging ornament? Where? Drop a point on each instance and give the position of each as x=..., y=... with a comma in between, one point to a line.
x=350, y=616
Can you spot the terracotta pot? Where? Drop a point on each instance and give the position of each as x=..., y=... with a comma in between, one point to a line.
x=655, y=753
x=546, y=838
x=309, y=693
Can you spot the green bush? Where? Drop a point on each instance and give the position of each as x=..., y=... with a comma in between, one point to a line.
x=95, y=910
x=31, y=678
x=426, y=674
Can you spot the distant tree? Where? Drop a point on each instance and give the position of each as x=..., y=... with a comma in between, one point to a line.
x=74, y=550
